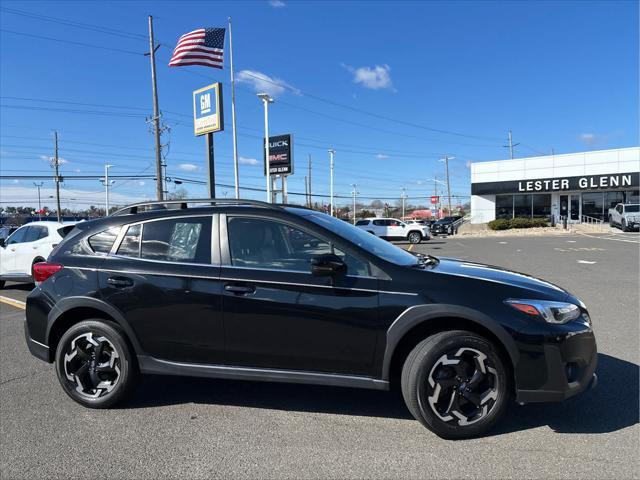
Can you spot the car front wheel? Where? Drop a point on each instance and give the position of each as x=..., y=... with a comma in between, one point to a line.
x=95, y=366
x=414, y=237
x=623, y=225
x=455, y=383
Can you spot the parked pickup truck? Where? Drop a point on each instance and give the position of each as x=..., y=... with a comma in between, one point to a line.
x=625, y=215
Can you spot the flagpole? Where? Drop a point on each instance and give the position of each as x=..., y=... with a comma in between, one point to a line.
x=233, y=115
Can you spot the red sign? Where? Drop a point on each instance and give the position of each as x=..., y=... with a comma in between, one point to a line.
x=435, y=199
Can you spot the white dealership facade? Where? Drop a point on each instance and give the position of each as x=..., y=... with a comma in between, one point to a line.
x=578, y=186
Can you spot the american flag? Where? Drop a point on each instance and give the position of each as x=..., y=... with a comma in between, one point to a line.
x=204, y=46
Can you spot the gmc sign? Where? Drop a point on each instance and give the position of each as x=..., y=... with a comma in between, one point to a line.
x=280, y=155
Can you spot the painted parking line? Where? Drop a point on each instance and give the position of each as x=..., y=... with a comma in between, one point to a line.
x=587, y=262
x=13, y=302
x=410, y=247
x=615, y=237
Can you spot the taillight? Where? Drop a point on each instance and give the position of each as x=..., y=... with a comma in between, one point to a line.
x=43, y=270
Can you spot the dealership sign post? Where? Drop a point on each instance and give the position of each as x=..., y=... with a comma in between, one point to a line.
x=280, y=159
x=207, y=119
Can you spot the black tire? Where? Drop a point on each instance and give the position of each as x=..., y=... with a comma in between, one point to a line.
x=447, y=413
x=117, y=376
x=610, y=221
x=1, y=284
x=623, y=226
x=414, y=237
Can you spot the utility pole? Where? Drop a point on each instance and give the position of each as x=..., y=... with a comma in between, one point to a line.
x=354, y=193
x=266, y=100
x=310, y=200
x=446, y=163
x=331, y=154
x=56, y=165
x=306, y=191
x=39, y=186
x=403, y=196
x=156, y=113
x=511, y=145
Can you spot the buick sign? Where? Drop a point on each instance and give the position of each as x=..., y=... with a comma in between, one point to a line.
x=280, y=155
x=585, y=182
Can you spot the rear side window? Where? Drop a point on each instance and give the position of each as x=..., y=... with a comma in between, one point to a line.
x=380, y=223
x=177, y=240
x=130, y=245
x=103, y=241
x=362, y=222
x=36, y=232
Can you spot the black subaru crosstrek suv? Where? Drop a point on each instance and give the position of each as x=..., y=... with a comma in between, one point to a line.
x=254, y=291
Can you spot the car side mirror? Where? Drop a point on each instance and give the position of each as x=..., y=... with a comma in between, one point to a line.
x=330, y=264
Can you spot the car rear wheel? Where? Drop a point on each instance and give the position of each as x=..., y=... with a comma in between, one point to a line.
x=455, y=383
x=95, y=366
x=1, y=283
x=414, y=237
x=610, y=221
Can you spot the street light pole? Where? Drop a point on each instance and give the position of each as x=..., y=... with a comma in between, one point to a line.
x=39, y=186
x=331, y=154
x=354, y=193
x=403, y=196
x=106, y=189
x=266, y=100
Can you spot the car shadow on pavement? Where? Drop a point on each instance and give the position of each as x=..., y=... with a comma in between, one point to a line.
x=159, y=390
x=611, y=406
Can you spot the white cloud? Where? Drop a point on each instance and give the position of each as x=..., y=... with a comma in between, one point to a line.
x=188, y=167
x=375, y=78
x=382, y=156
x=248, y=161
x=277, y=3
x=16, y=181
x=141, y=183
x=260, y=82
x=589, y=138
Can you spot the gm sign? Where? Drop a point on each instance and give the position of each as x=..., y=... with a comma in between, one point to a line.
x=280, y=155
x=207, y=110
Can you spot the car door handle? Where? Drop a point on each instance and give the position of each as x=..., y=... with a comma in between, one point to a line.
x=240, y=289
x=120, y=282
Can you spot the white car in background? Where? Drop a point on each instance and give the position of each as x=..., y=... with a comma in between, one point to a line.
x=394, y=229
x=30, y=244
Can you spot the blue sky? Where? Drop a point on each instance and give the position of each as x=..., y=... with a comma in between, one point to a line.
x=381, y=82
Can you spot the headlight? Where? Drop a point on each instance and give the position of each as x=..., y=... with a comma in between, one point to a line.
x=551, y=312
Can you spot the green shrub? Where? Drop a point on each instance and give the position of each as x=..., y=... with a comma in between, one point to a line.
x=499, y=224
x=518, y=222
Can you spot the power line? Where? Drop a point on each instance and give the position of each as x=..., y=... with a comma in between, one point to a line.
x=42, y=37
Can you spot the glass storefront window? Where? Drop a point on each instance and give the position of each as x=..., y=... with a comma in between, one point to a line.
x=541, y=205
x=632, y=196
x=612, y=199
x=504, y=206
x=593, y=205
x=522, y=206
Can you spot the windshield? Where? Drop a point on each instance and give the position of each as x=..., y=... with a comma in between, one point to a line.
x=365, y=240
x=632, y=208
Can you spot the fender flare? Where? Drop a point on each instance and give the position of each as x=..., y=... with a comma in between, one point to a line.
x=418, y=314
x=67, y=304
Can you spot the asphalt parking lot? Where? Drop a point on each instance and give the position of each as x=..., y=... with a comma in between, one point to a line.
x=195, y=428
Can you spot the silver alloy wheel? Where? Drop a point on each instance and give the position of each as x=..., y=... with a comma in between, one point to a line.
x=414, y=237
x=463, y=387
x=92, y=364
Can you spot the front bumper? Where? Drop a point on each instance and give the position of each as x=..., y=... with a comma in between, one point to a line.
x=559, y=367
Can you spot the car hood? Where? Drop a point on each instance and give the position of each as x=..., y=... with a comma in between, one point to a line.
x=488, y=273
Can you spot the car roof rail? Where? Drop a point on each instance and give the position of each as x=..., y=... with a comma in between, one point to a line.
x=184, y=204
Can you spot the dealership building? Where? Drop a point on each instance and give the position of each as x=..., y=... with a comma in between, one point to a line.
x=575, y=185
